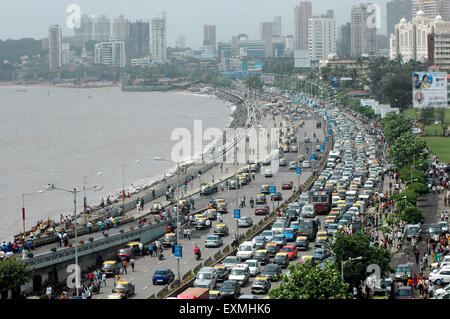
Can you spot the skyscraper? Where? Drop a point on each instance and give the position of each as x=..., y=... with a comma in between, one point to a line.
x=86, y=30
x=120, y=28
x=363, y=35
x=209, y=38
x=54, y=47
x=102, y=29
x=158, y=47
x=321, y=37
x=265, y=30
x=395, y=11
x=301, y=15
x=276, y=27
x=344, y=40
x=181, y=41
x=139, y=40
x=432, y=8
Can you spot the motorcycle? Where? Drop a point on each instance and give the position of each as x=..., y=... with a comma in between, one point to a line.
x=198, y=255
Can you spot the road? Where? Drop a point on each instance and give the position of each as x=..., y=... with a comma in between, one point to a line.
x=146, y=266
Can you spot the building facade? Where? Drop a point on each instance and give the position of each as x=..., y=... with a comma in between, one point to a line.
x=139, y=40
x=277, y=26
x=120, y=28
x=344, y=40
x=395, y=11
x=158, y=47
x=301, y=15
x=111, y=53
x=363, y=36
x=439, y=51
x=209, y=38
x=54, y=47
x=432, y=8
x=321, y=37
x=411, y=38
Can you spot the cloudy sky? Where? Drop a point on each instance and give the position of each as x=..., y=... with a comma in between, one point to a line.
x=31, y=18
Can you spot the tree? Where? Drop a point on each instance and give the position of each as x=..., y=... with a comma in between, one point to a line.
x=427, y=115
x=355, y=245
x=13, y=274
x=440, y=116
x=394, y=125
x=412, y=215
x=405, y=147
x=308, y=281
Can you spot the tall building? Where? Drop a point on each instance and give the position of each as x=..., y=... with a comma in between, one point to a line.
x=344, y=40
x=289, y=44
x=181, y=41
x=301, y=15
x=67, y=55
x=111, y=53
x=363, y=35
x=276, y=31
x=102, y=29
x=432, y=8
x=329, y=14
x=209, y=38
x=411, y=38
x=321, y=37
x=86, y=30
x=158, y=47
x=54, y=47
x=139, y=40
x=265, y=30
x=120, y=28
x=395, y=11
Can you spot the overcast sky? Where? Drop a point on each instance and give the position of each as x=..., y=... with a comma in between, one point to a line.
x=31, y=18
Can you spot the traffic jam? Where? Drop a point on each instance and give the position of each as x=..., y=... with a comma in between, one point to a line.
x=339, y=195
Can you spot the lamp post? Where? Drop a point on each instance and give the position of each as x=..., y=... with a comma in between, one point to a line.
x=346, y=261
x=85, y=198
x=23, y=207
x=51, y=187
x=123, y=183
x=178, y=208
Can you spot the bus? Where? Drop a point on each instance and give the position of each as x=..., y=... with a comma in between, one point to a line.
x=321, y=202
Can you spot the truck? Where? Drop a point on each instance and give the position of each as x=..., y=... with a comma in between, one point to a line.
x=194, y=293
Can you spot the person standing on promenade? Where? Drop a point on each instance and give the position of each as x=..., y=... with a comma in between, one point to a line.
x=132, y=262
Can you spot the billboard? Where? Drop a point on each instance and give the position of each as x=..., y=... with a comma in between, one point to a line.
x=302, y=59
x=429, y=89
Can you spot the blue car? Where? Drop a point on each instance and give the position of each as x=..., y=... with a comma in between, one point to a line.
x=290, y=234
x=295, y=225
x=163, y=276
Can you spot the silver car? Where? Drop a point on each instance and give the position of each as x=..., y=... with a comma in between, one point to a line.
x=206, y=278
x=245, y=221
x=213, y=241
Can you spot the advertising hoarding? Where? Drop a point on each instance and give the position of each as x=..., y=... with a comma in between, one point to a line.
x=429, y=89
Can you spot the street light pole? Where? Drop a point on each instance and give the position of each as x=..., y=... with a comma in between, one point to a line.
x=23, y=208
x=123, y=184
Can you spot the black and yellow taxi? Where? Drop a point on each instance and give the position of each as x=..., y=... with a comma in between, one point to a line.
x=111, y=268
x=200, y=223
x=262, y=255
x=233, y=184
x=221, y=230
x=215, y=294
x=221, y=207
x=272, y=248
x=124, y=288
x=265, y=189
x=261, y=284
x=260, y=199
x=242, y=179
x=211, y=214
x=168, y=239
x=222, y=272
x=247, y=176
x=134, y=247
x=281, y=259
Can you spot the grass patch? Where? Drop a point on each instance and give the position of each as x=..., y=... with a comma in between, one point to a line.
x=440, y=146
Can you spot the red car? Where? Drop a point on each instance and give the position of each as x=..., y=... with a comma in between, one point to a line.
x=287, y=185
x=125, y=253
x=261, y=210
x=291, y=251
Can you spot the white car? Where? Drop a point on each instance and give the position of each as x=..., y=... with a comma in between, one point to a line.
x=254, y=267
x=306, y=164
x=268, y=173
x=278, y=227
x=246, y=250
x=444, y=262
x=442, y=273
x=442, y=291
x=240, y=273
x=416, y=130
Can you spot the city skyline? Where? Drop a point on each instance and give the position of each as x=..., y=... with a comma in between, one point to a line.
x=23, y=19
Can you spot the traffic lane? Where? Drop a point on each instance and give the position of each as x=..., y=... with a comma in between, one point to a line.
x=246, y=290
x=142, y=278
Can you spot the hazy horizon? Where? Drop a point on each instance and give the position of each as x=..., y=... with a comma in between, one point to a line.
x=31, y=19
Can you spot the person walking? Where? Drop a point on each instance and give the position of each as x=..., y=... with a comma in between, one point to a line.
x=150, y=249
x=132, y=263
x=124, y=266
x=103, y=281
x=141, y=249
x=189, y=234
